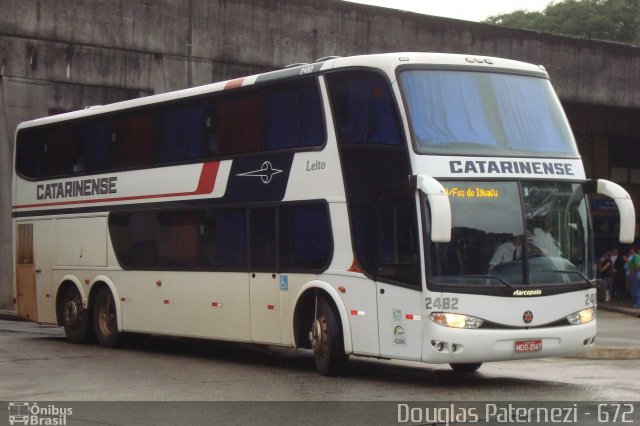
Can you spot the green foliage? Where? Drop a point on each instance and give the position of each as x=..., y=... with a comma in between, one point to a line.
x=613, y=20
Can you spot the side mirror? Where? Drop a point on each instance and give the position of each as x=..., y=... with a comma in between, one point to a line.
x=440, y=207
x=625, y=207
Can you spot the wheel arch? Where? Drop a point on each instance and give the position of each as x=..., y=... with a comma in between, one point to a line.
x=303, y=296
x=102, y=281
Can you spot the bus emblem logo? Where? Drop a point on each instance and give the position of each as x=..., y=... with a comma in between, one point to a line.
x=265, y=172
x=399, y=336
x=527, y=317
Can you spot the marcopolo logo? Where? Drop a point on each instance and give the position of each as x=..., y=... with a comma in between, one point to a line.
x=27, y=413
x=265, y=172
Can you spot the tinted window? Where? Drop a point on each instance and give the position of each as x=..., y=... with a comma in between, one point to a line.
x=236, y=124
x=181, y=130
x=46, y=152
x=276, y=117
x=134, y=134
x=398, y=240
x=224, y=241
x=30, y=153
x=364, y=109
x=95, y=146
x=177, y=239
x=292, y=116
x=370, y=139
x=263, y=238
x=134, y=238
x=305, y=237
x=216, y=238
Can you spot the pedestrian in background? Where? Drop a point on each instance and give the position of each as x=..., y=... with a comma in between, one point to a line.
x=619, y=285
x=605, y=267
x=633, y=269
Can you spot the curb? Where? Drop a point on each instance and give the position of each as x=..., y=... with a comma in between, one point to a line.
x=634, y=312
x=613, y=352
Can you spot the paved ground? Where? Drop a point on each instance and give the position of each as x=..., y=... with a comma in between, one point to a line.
x=618, y=332
x=281, y=386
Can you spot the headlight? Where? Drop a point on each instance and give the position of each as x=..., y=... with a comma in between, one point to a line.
x=455, y=320
x=582, y=317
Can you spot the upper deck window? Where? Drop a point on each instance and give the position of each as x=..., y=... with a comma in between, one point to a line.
x=282, y=116
x=482, y=113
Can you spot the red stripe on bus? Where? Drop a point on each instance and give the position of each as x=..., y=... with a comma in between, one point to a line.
x=206, y=183
x=233, y=84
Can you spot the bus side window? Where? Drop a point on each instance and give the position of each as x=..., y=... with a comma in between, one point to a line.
x=133, y=236
x=181, y=130
x=365, y=111
x=31, y=155
x=60, y=150
x=237, y=123
x=292, y=116
x=305, y=236
x=95, y=146
x=398, y=240
x=223, y=239
x=263, y=238
x=134, y=139
x=211, y=137
x=177, y=239
x=140, y=249
x=369, y=139
x=363, y=229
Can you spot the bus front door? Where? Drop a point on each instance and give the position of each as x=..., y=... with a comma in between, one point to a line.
x=34, y=260
x=399, y=322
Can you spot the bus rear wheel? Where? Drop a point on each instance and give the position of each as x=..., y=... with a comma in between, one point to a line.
x=327, y=341
x=105, y=321
x=75, y=318
x=465, y=367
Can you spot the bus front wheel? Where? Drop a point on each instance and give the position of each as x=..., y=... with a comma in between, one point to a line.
x=105, y=321
x=327, y=341
x=465, y=367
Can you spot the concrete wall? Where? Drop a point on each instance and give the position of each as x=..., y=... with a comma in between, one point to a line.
x=58, y=55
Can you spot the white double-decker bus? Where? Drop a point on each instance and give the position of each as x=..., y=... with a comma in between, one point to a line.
x=427, y=207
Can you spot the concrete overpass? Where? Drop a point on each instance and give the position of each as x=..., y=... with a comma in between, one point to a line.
x=61, y=55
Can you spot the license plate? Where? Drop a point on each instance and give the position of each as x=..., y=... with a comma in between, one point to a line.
x=529, y=346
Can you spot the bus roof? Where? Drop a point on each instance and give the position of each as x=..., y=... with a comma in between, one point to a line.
x=386, y=61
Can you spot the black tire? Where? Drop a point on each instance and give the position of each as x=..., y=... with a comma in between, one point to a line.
x=105, y=320
x=75, y=318
x=327, y=341
x=471, y=367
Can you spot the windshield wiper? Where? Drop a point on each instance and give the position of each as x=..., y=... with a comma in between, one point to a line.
x=565, y=271
x=493, y=277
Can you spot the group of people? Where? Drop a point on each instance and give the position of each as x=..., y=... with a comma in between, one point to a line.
x=621, y=275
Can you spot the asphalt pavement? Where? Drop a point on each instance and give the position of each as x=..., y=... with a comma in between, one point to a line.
x=618, y=331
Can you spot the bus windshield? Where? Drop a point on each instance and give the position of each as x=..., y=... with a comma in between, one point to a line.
x=509, y=234
x=482, y=113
